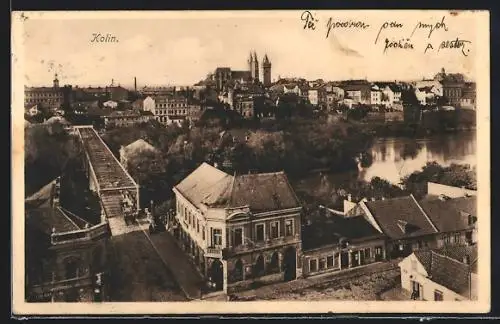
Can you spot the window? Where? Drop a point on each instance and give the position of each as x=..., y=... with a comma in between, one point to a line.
x=322, y=264
x=329, y=261
x=259, y=232
x=289, y=227
x=275, y=230
x=216, y=236
x=203, y=233
x=447, y=239
x=438, y=295
x=457, y=238
x=238, y=237
x=313, y=265
x=367, y=253
x=197, y=225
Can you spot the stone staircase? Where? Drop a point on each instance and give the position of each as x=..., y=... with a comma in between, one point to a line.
x=111, y=201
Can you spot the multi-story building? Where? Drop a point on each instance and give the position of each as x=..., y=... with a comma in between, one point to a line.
x=173, y=109
x=51, y=97
x=127, y=118
x=66, y=256
x=239, y=228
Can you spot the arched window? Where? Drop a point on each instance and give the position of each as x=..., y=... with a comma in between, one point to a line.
x=259, y=266
x=274, y=263
x=237, y=274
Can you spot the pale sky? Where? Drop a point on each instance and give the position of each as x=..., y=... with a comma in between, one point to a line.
x=181, y=48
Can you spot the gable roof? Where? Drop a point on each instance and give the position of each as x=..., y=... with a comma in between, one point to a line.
x=262, y=192
x=451, y=214
x=400, y=217
x=446, y=271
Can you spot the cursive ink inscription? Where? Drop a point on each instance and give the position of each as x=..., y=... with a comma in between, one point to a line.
x=100, y=38
x=388, y=25
x=404, y=43
x=309, y=20
x=431, y=27
x=457, y=43
x=349, y=24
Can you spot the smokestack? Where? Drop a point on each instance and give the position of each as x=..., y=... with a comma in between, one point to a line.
x=135, y=84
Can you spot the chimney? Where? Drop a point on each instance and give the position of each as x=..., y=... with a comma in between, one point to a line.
x=135, y=84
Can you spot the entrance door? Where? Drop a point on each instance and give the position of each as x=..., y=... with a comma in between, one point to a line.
x=416, y=290
x=217, y=274
x=344, y=260
x=290, y=264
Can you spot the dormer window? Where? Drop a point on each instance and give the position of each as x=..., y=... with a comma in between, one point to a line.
x=402, y=225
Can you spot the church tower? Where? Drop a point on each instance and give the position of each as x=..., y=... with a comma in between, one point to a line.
x=266, y=71
x=255, y=68
x=56, y=82
x=250, y=64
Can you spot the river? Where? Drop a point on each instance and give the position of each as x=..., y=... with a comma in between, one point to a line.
x=396, y=157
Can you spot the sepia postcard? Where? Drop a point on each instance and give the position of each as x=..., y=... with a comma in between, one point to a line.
x=214, y=162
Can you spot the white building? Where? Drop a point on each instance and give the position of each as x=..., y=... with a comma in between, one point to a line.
x=441, y=275
x=149, y=104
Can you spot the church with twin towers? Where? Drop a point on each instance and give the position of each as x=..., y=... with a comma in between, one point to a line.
x=223, y=75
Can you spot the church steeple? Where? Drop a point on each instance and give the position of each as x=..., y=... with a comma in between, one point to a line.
x=255, y=67
x=56, y=82
x=266, y=71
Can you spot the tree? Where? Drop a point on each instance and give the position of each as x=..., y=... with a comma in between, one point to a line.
x=454, y=175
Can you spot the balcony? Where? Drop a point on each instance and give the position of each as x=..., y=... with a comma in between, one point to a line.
x=88, y=234
x=250, y=246
x=213, y=252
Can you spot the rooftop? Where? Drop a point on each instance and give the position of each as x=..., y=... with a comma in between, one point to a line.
x=41, y=214
x=400, y=217
x=451, y=214
x=446, y=271
x=261, y=192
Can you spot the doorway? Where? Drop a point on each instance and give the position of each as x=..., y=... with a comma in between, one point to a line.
x=344, y=260
x=290, y=264
x=217, y=274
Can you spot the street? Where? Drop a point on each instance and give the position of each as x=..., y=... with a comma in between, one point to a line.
x=137, y=273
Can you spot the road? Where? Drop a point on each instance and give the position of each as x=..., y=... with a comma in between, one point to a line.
x=138, y=273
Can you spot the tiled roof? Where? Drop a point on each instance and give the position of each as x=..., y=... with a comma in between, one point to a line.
x=452, y=214
x=400, y=217
x=205, y=185
x=261, y=192
x=445, y=271
x=354, y=228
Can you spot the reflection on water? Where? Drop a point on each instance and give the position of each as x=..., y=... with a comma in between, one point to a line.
x=394, y=158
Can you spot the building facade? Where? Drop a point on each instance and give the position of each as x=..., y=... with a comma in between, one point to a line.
x=239, y=229
x=51, y=97
x=66, y=256
x=440, y=275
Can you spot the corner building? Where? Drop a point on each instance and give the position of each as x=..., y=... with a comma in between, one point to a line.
x=239, y=228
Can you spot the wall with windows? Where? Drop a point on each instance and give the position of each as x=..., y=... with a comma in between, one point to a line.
x=263, y=230
x=329, y=258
